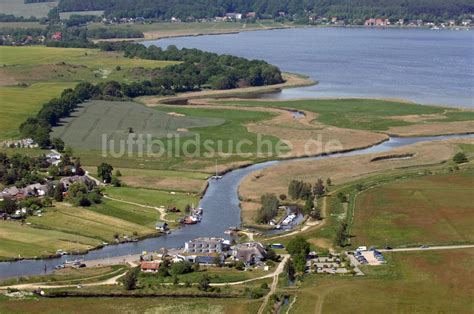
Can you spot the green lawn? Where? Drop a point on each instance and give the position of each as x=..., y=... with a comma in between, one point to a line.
x=435, y=209
x=362, y=114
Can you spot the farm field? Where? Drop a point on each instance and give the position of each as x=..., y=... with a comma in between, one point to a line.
x=412, y=282
x=86, y=127
x=435, y=209
x=131, y=305
x=372, y=114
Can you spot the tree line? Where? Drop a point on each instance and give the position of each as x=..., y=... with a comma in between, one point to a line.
x=347, y=9
x=72, y=37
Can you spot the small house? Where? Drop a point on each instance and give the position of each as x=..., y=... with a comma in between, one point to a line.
x=150, y=266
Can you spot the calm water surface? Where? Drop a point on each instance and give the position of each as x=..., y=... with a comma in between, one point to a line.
x=425, y=66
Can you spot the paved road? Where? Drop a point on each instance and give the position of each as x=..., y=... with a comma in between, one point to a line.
x=445, y=247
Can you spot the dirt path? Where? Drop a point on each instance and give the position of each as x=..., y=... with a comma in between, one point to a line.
x=34, y=286
x=160, y=210
x=276, y=274
x=291, y=305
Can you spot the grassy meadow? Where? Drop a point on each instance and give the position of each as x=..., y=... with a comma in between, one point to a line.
x=31, y=76
x=19, y=103
x=436, y=209
x=412, y=282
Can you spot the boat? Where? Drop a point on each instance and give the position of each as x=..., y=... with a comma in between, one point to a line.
x=288, y=219
x=216, y=176
x=192, y=219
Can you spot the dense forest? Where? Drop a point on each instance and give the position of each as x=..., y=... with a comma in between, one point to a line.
x=346, y=9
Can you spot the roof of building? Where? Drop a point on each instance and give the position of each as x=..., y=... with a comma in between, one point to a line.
x=208, y=240
x=249, y=250
x=152, y=265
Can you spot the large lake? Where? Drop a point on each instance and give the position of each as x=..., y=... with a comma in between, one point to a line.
x=425, y=66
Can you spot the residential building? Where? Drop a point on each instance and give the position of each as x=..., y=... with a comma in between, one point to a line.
x=68, y=181
x=249, y=252
x=204, y=245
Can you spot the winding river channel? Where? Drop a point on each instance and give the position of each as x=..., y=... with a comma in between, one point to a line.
x=221, y=211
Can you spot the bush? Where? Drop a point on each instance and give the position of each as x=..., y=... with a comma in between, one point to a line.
x=130, y=279
x=180, y=268
x=298, y=245
x=460, y=158
x=239, y=265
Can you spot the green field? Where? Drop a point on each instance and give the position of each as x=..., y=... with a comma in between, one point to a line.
x=434, y=209
x=361, y=114
x=412, y=282
x=19, y=103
